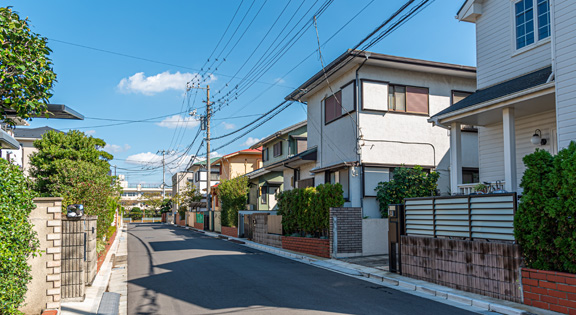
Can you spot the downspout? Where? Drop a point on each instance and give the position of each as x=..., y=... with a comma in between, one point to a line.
x=358, y=133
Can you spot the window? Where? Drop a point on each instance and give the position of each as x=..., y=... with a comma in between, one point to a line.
x=470, y=175
x=265, y=155
x=408, y=99
x=457, y=96
x=332, y=107
x=214, y=176
x=277, y=149
x=296, y=177
x=263, y=194
x=527, y=29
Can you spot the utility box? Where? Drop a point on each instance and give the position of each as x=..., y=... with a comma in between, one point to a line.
x=396, y=228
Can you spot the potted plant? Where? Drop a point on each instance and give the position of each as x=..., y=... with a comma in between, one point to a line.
x=481, y=189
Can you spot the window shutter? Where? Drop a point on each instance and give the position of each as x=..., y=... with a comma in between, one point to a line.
x=458, y=96
x=331, y=108
x=416, y=100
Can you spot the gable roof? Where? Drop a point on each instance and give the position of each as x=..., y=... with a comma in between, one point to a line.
x=352, y=57
x=515, y=85
x=32, y=133
x=278, y=134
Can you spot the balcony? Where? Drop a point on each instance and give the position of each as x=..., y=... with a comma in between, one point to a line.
x=467, y=189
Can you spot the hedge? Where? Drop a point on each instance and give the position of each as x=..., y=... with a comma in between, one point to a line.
x=306, y=211
x=18, y=240
x=545, y=223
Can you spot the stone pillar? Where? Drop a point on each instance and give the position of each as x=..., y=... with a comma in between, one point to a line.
x=44, y=289
x=348, y=232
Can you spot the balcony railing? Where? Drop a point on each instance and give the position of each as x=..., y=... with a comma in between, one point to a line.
x=467, y=189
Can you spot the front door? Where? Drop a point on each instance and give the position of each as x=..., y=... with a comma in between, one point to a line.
x=272, y=191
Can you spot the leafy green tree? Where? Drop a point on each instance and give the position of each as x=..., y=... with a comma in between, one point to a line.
x=407, y=183
x=188, y=196
x=136, y=213
x=73, y=166
x=17, y=238
x=26, y=74
x=545, y=222
x=233, y=196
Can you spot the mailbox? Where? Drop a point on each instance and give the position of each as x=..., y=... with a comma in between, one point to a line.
x=395, y=230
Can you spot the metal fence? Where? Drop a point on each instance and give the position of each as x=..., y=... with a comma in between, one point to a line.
x=489, y=216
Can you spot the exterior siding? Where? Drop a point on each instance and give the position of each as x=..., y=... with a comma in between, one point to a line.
x=497, y=60
x=565, y=53
x=491, y=145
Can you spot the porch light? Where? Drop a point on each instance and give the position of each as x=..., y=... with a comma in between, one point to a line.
x=537, y=138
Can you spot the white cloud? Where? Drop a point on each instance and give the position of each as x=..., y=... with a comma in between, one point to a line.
x=177, y=121
x=250, y=141
x=279, y=81
x=114, y=148
x=140, y=83
x=228, y=126
x=90, y=132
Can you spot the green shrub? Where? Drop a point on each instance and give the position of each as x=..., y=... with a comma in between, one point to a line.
x=233, y=196
x=17, y=238
x=407, y=183
x=545, y=222
x=306, y=211
x=136, y=213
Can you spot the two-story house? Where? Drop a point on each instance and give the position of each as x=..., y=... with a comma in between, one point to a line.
x=277, y=174
x=233, y=165
x=525, y=96
x=367, y=115
x=196, y=174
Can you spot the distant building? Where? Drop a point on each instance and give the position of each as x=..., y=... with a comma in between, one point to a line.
x=133, y=194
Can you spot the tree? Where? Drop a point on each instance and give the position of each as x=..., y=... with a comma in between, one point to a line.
x=233, y=196
x=17, y=238
x=136, y=213
x=153, y=202
x=73, y=166
x=26, y=74
x=188, y=196
x=407, y=183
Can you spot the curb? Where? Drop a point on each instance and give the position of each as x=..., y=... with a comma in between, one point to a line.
x=395, y=281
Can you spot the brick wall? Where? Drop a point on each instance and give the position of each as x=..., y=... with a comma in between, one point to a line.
x=348, y=231
x=550, y=290
x=199, y=226
x=312, y=246
x=230, y=231
x=44, y=289
x=486, y=268
x=260, y=234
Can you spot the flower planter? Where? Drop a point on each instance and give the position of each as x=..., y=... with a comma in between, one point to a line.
x=311, y=246
x=230, y=231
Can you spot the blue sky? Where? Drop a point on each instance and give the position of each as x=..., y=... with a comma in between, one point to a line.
x=169, y=43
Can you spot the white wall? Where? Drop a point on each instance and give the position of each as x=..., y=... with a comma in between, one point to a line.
x=491, y=145
x=374, y=237
x=497, y=58
x=565, y=51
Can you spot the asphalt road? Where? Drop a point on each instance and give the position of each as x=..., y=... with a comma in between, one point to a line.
x=176, y=271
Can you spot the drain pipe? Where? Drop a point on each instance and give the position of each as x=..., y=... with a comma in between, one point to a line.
x=358, y=133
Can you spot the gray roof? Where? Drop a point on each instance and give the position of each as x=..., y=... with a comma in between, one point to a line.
x=32, y=133
x=278, y=134
x=515, y=85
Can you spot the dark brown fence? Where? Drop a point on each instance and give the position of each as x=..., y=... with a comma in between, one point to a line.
x=487, y=268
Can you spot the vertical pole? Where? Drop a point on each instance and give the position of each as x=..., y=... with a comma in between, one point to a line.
x=163, y=176
x=208, y=176
x=509, y=133
x=455, y=158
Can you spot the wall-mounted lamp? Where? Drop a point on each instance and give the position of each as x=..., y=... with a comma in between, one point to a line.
x=537, y=138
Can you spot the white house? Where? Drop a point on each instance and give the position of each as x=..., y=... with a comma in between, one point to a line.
x=525, y=98
x=367, y=114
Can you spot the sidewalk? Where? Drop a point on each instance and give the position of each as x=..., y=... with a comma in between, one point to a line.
x=108, y=276
x=393, y=280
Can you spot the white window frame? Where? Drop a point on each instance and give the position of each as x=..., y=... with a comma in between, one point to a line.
x=537, y=40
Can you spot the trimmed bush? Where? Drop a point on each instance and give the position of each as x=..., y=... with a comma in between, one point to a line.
x=136, y=213
x=306, y=211
x=545, y=223
x=407, y=183
x=17, y=238
x=233, y=196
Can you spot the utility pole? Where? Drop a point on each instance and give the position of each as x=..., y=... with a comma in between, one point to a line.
x=208, y=166
x=163, y=173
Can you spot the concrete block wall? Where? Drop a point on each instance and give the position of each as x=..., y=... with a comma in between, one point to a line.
x=44, y=291
x=348, y=232
x=261, y=235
